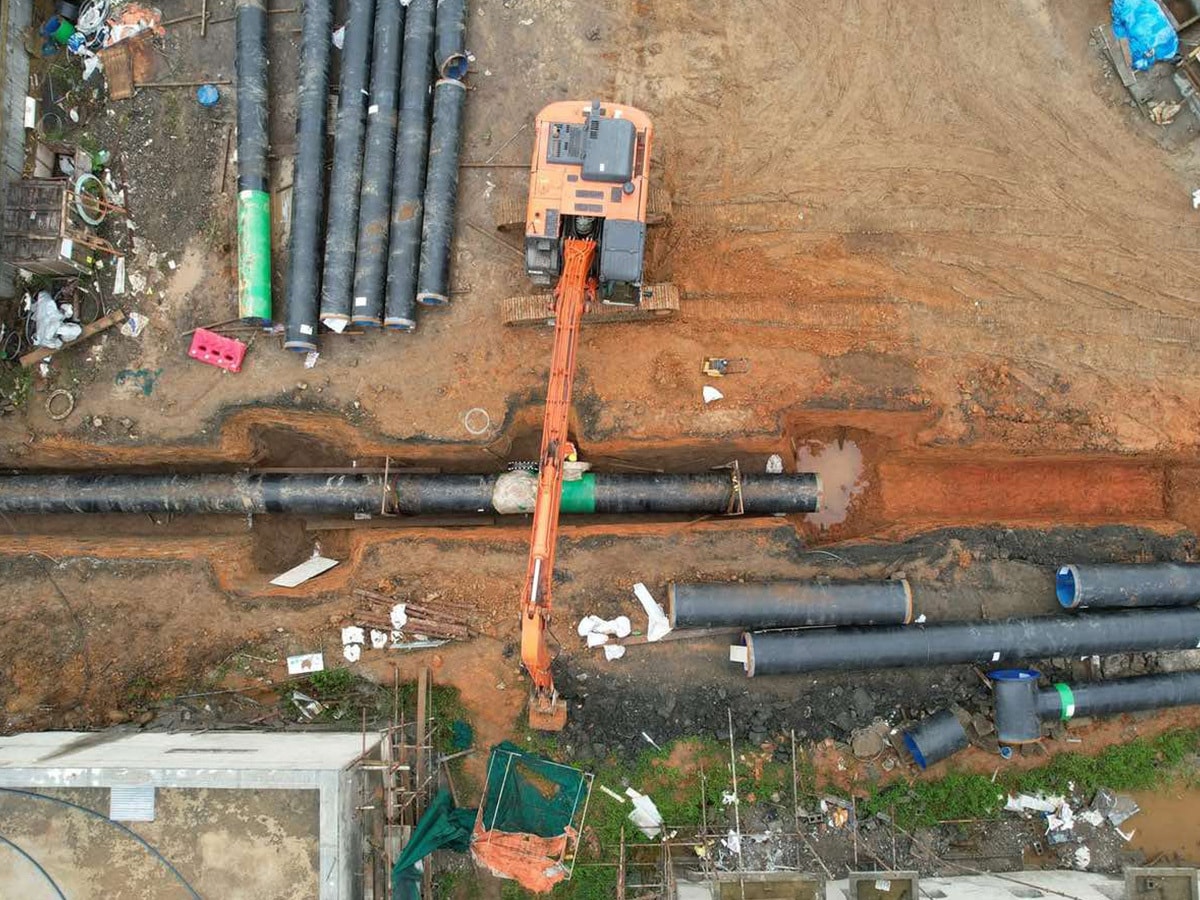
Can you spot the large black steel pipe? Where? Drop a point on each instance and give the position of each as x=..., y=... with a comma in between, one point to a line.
x=1009, y=640
x=254, y=199
x=341, y=235
x=375, y=195
x=934, y=738
x=408, y=183
x=1133, y=586
x=789, y=604
x=441, y=192
x=406, y=494
x=1020, y=708
x=308, y=180
x=760, y=494
x=451, y=52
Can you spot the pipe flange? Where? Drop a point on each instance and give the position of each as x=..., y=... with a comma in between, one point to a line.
x=477, y=421
x=63, y=410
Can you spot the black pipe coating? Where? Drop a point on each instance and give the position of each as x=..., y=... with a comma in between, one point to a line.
x=656, y=493
x=1009, y=640
x=408, y=183
x=451, y=53
x=935, y=737
x=250, y=64
x=341, y=235
x=789, y=604
x=308, y=181
x=1133, y=586
x=375, y=194
x=441, y=192
x=407, y=494
x=1014, y=693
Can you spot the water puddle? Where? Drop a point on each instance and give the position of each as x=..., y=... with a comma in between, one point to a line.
x=840, y=466
x=1168, y=827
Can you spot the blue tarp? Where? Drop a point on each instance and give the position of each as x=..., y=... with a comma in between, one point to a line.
x=1151, y=37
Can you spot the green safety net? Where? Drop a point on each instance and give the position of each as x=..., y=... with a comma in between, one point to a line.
x=443, y=826
x=527, y=794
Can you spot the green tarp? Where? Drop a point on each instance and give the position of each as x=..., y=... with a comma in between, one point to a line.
x=527, y=794
x=443, y=826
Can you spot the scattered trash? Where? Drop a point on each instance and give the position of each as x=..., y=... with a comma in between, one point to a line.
x=135, y=324
x=217, y=350
x=1083, y=857
x=1030, y=803
x=732, y=842
x=118, y=287
x=711, y=394
x=613, y=651
x=612, y=794
x=207, y=95
x=774, y=464
x=306, y=663
x=352, y=634
x=1164, y=112
x=310, y=568
x=718, y=366
x=309, y=708
x=352, y=652
x=399, y=617
x=649, y=740
x=1091, y=817
x=1115, y=807
x=310, y=358
x=658, y=626
x=645, y=814
x=60, y=404
x=379, y=639
x=52, y=328
x=339, y=37
x=596, y=631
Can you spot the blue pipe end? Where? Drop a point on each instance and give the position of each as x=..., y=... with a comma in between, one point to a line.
x=1066, y=587
x=917, y=755
x=1015, y=675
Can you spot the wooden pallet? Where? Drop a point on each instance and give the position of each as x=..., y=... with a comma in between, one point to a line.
x=658, y=301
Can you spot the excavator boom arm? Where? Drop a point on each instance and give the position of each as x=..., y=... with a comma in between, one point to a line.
x=573, y=292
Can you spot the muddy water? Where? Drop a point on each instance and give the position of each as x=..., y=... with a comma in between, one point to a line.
x=1168, y=827
x=840, y=466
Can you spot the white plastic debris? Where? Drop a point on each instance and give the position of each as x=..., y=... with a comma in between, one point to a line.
x=645, y=814
x=1031, y=803
x=118, y=287
x=310, y=358
x=618, y=627
x=1083, y=857
x=352, y=652
x=729, y=797
x=352, y=634
x=920, y=620
x=53, y=329
x=711, y=394
x=310, y=568
x=596, y=639
x=658, y=626
x=339, y=37
x=613, y=651
x=1092, y=817
x=774, y=464
x=305, y=663
x=1063, y=819
x=612, y=794
x=336, y=325
x=1196, y=199
x=379, y=639
x=134, y=325
x=732, y=842
x=399, y=617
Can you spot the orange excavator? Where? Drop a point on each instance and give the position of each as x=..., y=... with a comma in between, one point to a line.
x=585, y=234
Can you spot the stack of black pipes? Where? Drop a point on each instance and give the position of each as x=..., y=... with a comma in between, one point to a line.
x=394, y=172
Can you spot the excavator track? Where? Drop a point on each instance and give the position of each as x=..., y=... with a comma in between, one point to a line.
x=659, y=301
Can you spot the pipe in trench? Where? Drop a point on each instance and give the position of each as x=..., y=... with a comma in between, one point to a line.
x=1014, y=693
x=308, y=181
x=254, y=198
x=405, y=494
x=1017, y=708
x=379, y=156
x=1127, y=587
x=935, y=737
x=408, y=184
x=1005, y=641
x=341, y=233
x=441, y=192
x=450, y=53
x=789, y=604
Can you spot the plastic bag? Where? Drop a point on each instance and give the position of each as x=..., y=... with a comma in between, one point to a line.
x=1142, y=23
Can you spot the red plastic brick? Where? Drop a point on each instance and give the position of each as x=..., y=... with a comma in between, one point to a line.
x=217, y=350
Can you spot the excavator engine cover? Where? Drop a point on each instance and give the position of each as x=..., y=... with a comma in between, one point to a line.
x=621, y=251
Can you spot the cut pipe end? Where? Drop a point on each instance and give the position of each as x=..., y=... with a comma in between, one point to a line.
x=917, y=755
x=454, y=67
x=1066, y=586
x=430, y=299
x=368, y=321
x=671, y=603
x=908, y=601
x=399, y=324
x=299, y=346
x=748, y=658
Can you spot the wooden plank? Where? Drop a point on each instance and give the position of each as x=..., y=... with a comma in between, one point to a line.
x=33, y=357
